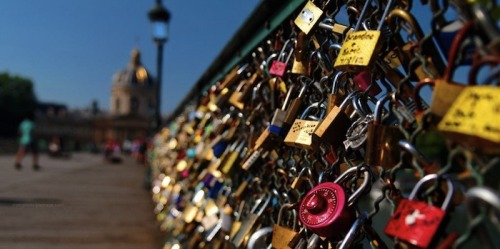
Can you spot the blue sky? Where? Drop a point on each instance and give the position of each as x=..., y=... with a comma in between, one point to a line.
x=71, y=49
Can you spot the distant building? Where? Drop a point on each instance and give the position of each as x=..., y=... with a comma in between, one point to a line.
x=131, y=113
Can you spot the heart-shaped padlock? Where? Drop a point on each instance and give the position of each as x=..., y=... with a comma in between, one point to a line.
x=327, y=210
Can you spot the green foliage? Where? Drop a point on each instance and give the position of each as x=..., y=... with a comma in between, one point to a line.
x=17, y=101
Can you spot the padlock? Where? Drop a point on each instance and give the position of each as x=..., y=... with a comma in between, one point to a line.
x=300, y=134
x=233, y=157
x=416, y=222
x=336, y=96
x=294, y=107
x=473, y=119
x=308, y=17
x=300, y=64
x=360, y=48
x=406, y=51
x=445, y=92
x=332, y=129
x=327, y=210
x=381, y=140
x=365, y=83
x=276, y=125
x=250, y=222
x=305, y=174
x=283, y=236
x=237, y=98
x=476, y=200
x=278, y=67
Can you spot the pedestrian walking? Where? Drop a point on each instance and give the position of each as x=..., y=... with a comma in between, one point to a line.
x=27, y=143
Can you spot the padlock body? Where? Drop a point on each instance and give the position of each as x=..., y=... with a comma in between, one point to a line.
x=276, y=126
x=300, y=134
x=283, y=236
x=332, y=128
x=331, y=217
x=414, y=222
x=278, y=68
x=382, y=146
x=308, y=17
x=358, y=50
x=443, y=96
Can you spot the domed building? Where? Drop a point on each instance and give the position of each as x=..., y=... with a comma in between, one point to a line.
x=133, y=90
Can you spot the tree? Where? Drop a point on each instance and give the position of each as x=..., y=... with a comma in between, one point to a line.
x=17, y=101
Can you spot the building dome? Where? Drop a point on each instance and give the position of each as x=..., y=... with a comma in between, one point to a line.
x=135, y=74
x=133, y=90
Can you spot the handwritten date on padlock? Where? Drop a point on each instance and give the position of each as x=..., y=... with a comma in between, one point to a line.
x=357, y=50
x=473, y=118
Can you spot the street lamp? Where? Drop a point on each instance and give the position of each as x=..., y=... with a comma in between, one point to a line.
x=160, y=18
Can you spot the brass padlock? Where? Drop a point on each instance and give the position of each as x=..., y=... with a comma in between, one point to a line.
x=381, y=144
x=445, y=92
x=300, y=65
x=360, y=48
x=284, y=236
x=332, y=129
x=300, y=134
x=237, y=98
x=308, y=17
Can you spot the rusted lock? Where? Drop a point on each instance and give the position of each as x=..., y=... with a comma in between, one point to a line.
x=381, y=143
x=416, y=222
x=300, y=134
x=327, y=208
x=283, y=236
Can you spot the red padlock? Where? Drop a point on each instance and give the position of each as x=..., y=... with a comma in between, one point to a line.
x=327, y=210
x=278, y=67
x=417, y=222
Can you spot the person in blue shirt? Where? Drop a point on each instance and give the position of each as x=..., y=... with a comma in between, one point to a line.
x=27, y=143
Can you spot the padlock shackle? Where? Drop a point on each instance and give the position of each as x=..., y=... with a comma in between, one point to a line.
x=255, y=208
x=285, y=207
x=477, y=65
x=435, y=177
x=321, y=106
x=476, y=197
x=379, y=108
x=353, y=171
x=408, y=18
x=408, y=147
x=362, y=15
x=454, y=49
x=416, y=93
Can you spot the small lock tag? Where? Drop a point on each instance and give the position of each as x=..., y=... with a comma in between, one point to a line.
x=473, y=119
x=308, y=17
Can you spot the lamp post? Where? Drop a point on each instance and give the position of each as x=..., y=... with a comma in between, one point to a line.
x=160, y=18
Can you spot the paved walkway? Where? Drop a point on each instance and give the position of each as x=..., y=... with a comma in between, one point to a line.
x=75, y=203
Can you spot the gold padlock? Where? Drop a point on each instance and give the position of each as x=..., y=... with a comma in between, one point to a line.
x=300, y=134
x=308, y=17
x=284, y=236
x=473, y=119
x=360, y=48
x=445, y=92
